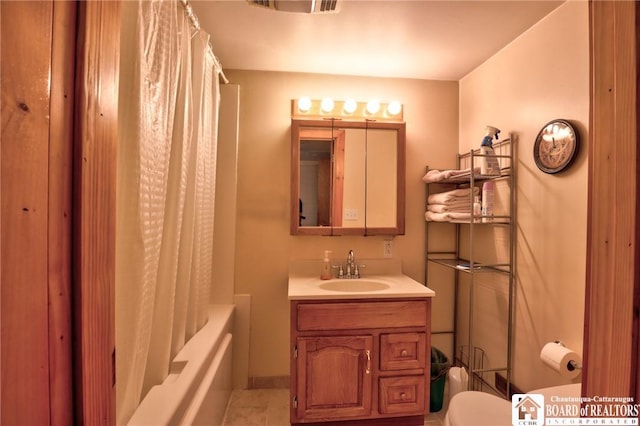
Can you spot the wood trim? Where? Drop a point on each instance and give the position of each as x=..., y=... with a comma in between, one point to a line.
x=337, y=183
x=294, y=213
x=610, y=317
x=60, y=193
x=95, y=158
x=402, y=180
x=25, y=49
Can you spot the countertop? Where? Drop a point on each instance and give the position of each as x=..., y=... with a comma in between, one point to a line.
x=304, y=282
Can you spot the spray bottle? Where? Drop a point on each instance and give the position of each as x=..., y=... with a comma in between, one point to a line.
x=326, y=266
x=489, y=163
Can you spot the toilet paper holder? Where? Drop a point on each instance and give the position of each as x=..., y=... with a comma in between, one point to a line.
x=572, y=365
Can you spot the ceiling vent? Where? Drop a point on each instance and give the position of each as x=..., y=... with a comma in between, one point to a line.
x=299, y=6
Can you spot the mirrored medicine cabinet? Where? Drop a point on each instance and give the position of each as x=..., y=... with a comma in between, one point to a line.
x=347, y=177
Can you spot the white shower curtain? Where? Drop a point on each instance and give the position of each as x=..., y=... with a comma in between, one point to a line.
x=168, y=112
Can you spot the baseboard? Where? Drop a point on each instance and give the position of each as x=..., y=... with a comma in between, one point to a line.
x=269, y=382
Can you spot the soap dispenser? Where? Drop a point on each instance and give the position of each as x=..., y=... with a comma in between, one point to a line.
x=326, y=266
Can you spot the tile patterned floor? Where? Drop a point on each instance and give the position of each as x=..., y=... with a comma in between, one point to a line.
x=270, y=407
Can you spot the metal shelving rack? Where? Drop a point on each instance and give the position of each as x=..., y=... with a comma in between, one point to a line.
x=466, y=353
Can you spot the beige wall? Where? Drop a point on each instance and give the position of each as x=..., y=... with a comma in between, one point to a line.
x=542, y=75
x=264, y=246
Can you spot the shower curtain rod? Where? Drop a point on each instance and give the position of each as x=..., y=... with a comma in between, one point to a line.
x=196, y=24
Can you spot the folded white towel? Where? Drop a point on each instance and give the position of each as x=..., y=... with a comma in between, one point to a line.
x=461, y=207
x=438, y=176
x=446, y=216
x=436, y=217
x=453, y=196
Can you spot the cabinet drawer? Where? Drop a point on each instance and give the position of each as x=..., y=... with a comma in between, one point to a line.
x=359, y=315
x=404, y=395
x=402, y=351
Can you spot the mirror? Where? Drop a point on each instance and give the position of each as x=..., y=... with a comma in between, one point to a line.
x=347, y=177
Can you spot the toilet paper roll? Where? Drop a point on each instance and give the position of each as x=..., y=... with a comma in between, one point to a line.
x=560, y=358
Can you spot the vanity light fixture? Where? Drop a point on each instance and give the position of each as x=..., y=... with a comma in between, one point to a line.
x=350, y=106
x=373, y=106
x=349, y=109
x=304, y=104
x=326, y=106
x=394, y=108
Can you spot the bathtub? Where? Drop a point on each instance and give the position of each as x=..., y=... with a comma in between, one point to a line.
x=199, y=383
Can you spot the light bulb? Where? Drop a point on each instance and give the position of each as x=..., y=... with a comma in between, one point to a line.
x=394, y=108
x=350, y=106
x=304, y=104
x=373, y=106
x=326, y=105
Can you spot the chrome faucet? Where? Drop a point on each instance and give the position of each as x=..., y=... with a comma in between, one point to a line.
x=351, y=264
x=351, y=269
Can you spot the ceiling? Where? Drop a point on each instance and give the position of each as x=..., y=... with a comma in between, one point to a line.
x=422, y=39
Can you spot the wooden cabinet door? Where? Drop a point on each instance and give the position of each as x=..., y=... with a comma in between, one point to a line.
x=334, y=377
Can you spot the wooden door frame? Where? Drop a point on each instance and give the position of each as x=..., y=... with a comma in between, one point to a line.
x=95, y=160
x=611, y=305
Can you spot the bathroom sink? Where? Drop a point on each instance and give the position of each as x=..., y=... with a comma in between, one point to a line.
x=354, y=285
x=383, y=280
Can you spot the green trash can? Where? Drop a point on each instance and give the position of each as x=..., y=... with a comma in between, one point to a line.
x=439, y=367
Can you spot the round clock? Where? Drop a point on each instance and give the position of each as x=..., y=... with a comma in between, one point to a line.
x=556, y=146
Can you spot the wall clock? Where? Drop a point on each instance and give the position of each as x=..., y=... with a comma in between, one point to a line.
x=556, y=146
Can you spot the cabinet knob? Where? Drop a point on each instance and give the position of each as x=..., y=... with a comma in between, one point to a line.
x=403, y=396
x=404, y=353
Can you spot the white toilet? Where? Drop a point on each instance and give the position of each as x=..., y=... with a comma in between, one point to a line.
x=471, y=408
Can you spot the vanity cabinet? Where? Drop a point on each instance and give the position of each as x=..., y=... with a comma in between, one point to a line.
x=358, y=360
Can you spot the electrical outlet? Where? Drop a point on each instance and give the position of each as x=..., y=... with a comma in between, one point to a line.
x=388, y=248
x=350, y=214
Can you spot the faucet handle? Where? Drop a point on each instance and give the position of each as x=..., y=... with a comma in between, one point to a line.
x=340, y=270
x=356, y=272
